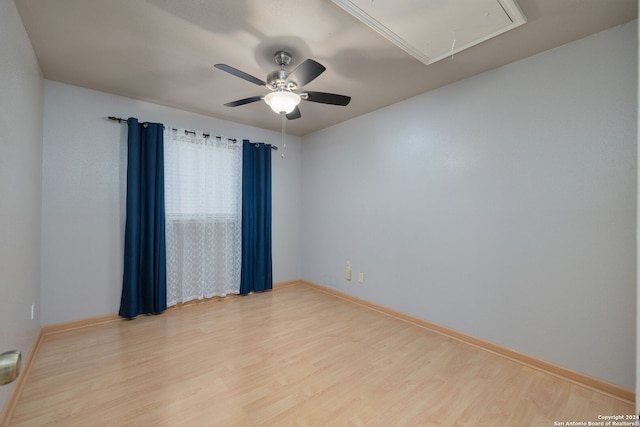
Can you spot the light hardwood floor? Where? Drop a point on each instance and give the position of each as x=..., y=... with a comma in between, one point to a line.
x=290, y=357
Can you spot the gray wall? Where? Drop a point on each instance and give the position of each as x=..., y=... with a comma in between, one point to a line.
x=21, y=101
x=84, y=174
x=502, y=206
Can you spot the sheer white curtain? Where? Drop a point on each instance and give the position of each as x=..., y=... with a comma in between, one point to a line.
x=203, y=189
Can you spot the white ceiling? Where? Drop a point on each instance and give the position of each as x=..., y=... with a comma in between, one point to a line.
x=163, y=51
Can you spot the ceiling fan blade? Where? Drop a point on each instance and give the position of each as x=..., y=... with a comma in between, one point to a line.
x=295, y=114
x=243, y=101
x=306, y=72
x=241, y=74
x=328, y=98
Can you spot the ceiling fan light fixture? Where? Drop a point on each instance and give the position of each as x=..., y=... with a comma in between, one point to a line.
x=282, y=101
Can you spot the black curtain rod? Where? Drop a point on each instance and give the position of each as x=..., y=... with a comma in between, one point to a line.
x=189, y=132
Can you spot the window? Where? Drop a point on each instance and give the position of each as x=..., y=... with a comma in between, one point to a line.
x=203, y=204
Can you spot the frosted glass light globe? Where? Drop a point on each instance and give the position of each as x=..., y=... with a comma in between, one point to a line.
x=282, y=101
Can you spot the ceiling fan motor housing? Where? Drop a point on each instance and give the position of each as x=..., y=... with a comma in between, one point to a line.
x=278, y=79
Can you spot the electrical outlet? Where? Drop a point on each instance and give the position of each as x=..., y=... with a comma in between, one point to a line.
x=347, y=270
x=361, y=277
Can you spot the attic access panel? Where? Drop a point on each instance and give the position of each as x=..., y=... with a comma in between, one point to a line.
x=432, y=30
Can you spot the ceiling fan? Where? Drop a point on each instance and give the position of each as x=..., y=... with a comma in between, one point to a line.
x=284, y=86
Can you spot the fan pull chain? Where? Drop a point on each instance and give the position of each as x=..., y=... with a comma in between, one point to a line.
x=284, y=134
x=453, y=44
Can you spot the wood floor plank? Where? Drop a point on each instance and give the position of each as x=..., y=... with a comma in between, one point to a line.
x=295, y=356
